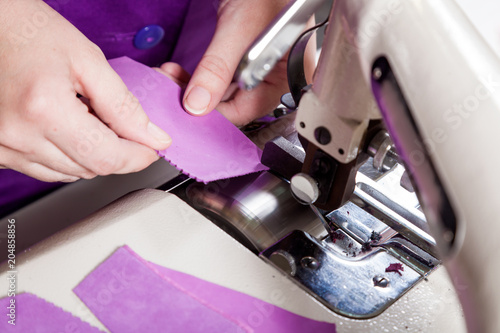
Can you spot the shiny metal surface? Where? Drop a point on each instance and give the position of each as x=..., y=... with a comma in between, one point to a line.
x=258, y=208
x=394, y=215
x=304, y=188
x=274, y=42
x=340, y=257
x=383, y=152
x=356, y=288
x=359, y=224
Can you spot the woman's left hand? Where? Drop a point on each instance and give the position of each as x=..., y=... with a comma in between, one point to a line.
x=239, y=23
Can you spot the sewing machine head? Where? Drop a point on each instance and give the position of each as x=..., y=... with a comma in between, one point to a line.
x=375, y=84
x=344, y=223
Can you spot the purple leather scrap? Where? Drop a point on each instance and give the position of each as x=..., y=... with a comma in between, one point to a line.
x=126, y=292
x=34, y=314
x=254, y=314
x=206, y=148
x=126, y=295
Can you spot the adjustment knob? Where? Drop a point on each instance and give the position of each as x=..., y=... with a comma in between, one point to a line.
x=304, y=188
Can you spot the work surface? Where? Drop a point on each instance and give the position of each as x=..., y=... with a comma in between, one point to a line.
x=163, y=229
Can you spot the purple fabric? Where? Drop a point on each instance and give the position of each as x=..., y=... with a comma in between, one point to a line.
x=126, y=292
x=193, y=38
x=17, y=189
x=207, y=148
x=253, y=313
x=33, y=314
x=127, y=296
x=112, y=24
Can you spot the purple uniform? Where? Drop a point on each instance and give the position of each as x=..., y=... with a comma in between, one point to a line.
x=152, y=32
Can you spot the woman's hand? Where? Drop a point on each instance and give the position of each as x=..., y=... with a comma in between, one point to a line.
x=239, y=24
x=46, y=131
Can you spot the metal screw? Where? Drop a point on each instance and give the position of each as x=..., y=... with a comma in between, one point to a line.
x=380, y=281
x=377, y=73
x=321, y=166
x=284, y=261
x=322, y=135
x=310, y=262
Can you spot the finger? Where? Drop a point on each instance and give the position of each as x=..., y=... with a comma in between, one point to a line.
x=115, y=105
x=174, y=79
x=245, y=106
x=32, y=169
x=232, y=37
x=176, y=72
x=47, y=154
x=53, y=158
x=44, y=153
x=91, y=144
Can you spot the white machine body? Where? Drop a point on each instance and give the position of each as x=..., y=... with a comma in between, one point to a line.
x=450, y=79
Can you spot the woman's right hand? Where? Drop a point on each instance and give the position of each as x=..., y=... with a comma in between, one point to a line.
x=46, y=131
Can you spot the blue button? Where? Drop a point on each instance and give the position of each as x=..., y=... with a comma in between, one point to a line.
x=148, y=37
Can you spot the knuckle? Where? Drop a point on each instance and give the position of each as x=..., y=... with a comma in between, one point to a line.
x=36, y=105
x=216, y=66
x=127, y=105
x=91, y=56
x=94, y=53
x=107, y=165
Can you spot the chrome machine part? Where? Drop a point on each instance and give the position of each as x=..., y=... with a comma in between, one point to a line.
x=257, y=209
x=304, y=188
x=339, y=257
x=368, y=260
x=357, y=288
x=383, y=152
x=274, y=42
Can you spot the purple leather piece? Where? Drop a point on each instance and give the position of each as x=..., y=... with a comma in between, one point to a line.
x=206, y=148
x=251, y=312
x=128, y=296
x=34, y=314
x=126, y=282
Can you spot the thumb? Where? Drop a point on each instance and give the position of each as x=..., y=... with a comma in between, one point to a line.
x=239, y=23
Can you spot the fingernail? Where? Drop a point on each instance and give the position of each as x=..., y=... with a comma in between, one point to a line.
x=159, y=134
x=70, y=179
x=197, y=100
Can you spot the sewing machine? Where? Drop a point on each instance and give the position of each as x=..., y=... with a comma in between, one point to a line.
x=434, y=85
x=343, y=227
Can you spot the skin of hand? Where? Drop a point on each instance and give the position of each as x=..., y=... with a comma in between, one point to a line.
x=239, y=23
x=46, y=131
